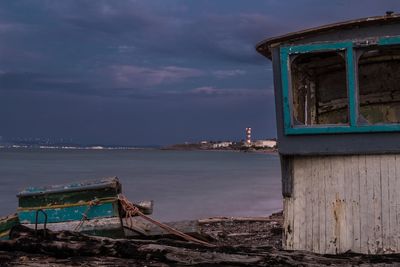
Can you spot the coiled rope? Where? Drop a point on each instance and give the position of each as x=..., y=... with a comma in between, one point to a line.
x=131, y=210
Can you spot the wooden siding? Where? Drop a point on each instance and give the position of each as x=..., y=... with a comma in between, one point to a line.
x=342, y=203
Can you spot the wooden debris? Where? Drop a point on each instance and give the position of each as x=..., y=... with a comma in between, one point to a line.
x=238, y=219
x=75, y=249
x=143, y=227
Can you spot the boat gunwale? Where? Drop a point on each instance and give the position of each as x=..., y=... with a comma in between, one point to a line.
x=71, y=187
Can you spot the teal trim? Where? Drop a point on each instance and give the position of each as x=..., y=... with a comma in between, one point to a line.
x=69, y=213
x=301, y=49
x=285, y=53
x=287, y=117
x=351, y=86
x=389, y=40
x=343, y=129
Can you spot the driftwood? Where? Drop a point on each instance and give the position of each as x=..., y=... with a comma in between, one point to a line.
x=142, y=228
x=27, y=248
x=71, y=244
x=238, y=219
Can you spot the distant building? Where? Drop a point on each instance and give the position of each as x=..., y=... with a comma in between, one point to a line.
x=222, y=145
x=204, y=142
x=265, y=143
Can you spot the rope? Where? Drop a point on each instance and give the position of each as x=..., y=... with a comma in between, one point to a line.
x=131, y=210
x=91, y=203
x=67, y=205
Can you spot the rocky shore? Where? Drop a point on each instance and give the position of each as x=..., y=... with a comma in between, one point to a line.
x=234, y=242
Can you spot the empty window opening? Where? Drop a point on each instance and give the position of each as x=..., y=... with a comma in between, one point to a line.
x=379, y=85
x=319, y=88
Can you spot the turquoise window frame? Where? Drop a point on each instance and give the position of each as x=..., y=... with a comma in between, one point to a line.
x=351, y=67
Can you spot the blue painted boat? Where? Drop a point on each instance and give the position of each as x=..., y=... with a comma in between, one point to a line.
x=90, y=207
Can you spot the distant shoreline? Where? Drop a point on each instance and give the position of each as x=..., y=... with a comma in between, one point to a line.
x=77, y=148
x=231, y=148
x=259, y=151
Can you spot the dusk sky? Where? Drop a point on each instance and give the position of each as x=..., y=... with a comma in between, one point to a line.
x=148, y=72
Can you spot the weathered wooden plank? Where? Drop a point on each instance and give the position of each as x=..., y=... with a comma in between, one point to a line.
x=397, y=230
x=315, y=194
x=331, y=230
x=298, y=214
x=346, y=241
x=308, y=203
x=323, y=173
x=354, y=177
x=287, y=175
x=343, y=244
x=378, y=204
x=288, y=223
x=107, y=227
x=190, y=227
x=373, y=171
x=364, y=209
x=385, y=201
x=391, y=245
x=370, y=213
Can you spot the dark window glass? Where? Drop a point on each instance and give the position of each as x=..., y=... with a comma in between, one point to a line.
x=319, y=88
x=379, y=85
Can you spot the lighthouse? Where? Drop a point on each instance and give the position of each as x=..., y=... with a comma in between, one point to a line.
x=248, y=136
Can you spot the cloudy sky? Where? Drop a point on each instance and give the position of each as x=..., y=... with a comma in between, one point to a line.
x=148, y=72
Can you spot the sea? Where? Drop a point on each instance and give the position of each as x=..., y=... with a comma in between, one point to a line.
x=183, y=184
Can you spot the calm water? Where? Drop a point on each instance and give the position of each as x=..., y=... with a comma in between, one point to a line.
x=183, y=184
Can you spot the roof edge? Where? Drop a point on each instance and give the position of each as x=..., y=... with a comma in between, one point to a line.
x=264, y=46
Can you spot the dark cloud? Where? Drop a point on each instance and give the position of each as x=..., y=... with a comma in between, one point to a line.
x=124, y=71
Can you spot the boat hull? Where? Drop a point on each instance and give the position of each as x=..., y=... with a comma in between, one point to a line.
x=6, y=224
x=91, y=207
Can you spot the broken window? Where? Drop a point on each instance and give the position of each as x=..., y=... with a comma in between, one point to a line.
x=319, y=88
x=379, y=85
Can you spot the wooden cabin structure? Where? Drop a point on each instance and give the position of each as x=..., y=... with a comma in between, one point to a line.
x=337, y=93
